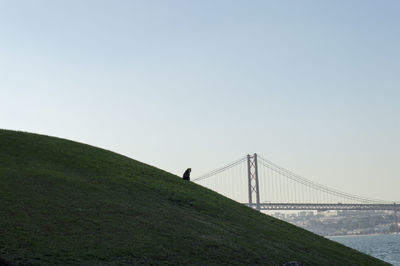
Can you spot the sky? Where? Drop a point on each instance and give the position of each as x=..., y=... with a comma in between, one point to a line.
x=310, y=85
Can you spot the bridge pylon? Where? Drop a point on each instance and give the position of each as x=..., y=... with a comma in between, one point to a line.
x=252, y=170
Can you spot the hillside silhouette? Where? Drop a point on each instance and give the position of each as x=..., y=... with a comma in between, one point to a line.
x=67, y=203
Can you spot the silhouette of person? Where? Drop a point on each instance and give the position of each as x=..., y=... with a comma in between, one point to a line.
x=186, y=174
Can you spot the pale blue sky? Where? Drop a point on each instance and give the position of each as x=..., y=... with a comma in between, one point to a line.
x=310, y=85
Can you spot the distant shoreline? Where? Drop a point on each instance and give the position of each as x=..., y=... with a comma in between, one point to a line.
x=362, y=235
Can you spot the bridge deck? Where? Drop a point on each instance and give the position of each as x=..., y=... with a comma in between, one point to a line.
x=323, y=207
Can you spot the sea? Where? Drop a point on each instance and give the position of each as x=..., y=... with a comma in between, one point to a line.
x=384, y=247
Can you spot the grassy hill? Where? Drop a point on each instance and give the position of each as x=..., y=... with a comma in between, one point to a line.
x=63, y=202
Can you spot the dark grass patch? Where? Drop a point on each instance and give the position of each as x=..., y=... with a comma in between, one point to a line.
x=67, y=203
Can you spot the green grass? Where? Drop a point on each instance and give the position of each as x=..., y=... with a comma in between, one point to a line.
x=63, y=202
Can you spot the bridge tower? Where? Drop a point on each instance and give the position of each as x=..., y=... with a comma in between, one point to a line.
x=252, y=170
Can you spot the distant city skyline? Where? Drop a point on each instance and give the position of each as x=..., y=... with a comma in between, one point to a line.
x=312, y=86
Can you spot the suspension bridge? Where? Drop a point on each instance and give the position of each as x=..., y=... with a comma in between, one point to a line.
x=264, y=185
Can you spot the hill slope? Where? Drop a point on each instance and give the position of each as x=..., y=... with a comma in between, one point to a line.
x=63, y=202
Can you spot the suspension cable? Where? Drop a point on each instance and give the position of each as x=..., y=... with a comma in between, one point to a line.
x=217, y=171
x=314, y=185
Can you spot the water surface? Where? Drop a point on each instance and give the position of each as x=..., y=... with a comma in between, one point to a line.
x=384, y=247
